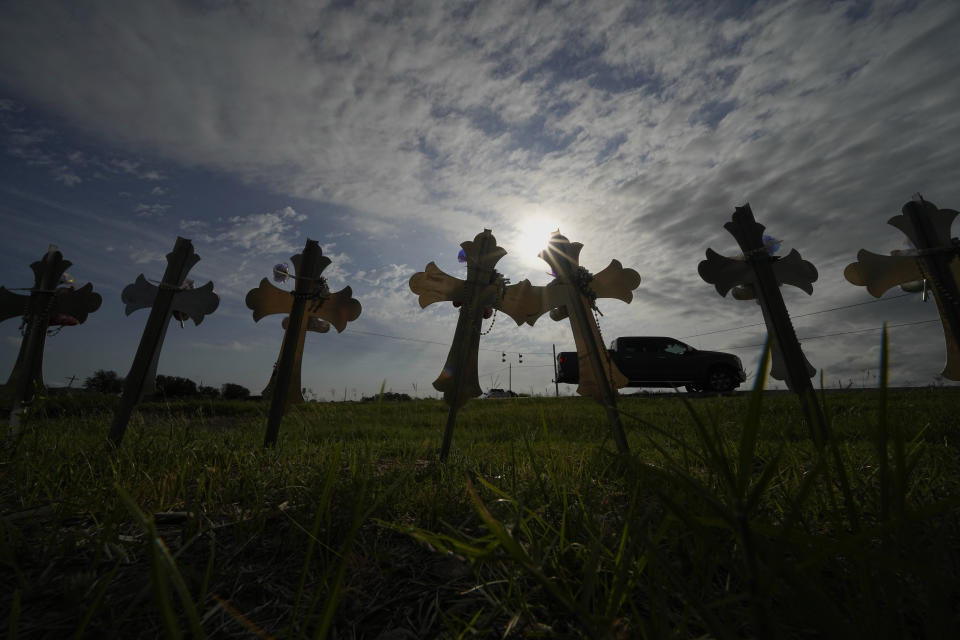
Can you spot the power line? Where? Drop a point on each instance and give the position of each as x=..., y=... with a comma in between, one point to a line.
x=444, y=344
x=802, y=315
x=842, y=333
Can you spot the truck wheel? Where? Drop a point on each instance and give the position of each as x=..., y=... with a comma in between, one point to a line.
x=721, y=380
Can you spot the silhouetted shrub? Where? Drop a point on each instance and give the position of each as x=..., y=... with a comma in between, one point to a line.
x=231, y=391
x=175, y=387
x=104, y=382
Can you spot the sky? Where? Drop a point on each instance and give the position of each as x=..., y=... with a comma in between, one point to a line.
x=390, y=132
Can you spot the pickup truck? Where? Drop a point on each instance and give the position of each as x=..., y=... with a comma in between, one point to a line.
x=664, y=362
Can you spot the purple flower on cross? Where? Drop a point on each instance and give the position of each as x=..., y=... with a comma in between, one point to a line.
x=772, y=244
x=281, y=272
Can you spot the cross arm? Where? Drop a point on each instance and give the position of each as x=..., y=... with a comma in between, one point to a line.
x=615, y=282
x=139, y=295
x=520, y=301
x=794, y=270
x=78, y=303
x=879, y=273
x=434, y=285
x=12, y=305
x=267, y=299
x=724, y=273
x=339, y=309
x=197, y=303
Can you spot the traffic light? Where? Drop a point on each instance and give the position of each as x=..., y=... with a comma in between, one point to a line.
x=520, y=358
x=503, y=357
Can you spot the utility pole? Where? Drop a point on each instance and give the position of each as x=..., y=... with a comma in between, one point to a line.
x=556, y=374
x=503, y=358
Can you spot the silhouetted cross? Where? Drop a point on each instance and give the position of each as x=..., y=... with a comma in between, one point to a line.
x=311, y=299
x=936, y=260
x=172, y=295
x=765, y=273
x=484, y=288
x=573, y=293
x=44, y=302
x=741, y=277
x=187, y=302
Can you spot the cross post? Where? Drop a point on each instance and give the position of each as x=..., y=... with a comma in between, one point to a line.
x=936, y=260
x=483, y=289
x=572, y=294
x=171, y=295
x=311, y=298
x=44, y=302
x=765, y=273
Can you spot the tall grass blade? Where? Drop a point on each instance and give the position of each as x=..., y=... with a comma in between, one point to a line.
x=323, y=507
x=751, y=427
x=13, y=623
x=94, y=606
x=882, y=434
x=163, y=570
x=520, y=556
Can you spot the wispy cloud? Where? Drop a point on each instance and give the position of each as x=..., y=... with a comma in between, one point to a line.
x=144, y=210
x=146, y=256
x=190, y=225
x=262, y=232
x=233, y=345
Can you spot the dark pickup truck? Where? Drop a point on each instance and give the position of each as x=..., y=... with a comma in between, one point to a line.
x=664, y=362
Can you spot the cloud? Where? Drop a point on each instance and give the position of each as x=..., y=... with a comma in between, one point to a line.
x=159, y=191
x=42, y=146
x=262, y=232
x=337, y=273
x=154, y=210
x=134, y=168
x=144, y=256
x=188, y=225
x=66, y=176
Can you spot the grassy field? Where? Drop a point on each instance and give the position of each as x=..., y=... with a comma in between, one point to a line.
x=725, y=521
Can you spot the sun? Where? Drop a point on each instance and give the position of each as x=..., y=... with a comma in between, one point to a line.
x=532, y=236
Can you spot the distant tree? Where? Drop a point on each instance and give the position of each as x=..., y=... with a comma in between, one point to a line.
x=231, y=391
x=208, y=392
x=104, y=382
x=176, y=387
x=388, y=396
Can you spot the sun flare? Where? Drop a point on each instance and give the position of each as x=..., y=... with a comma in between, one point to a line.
x=533, y=235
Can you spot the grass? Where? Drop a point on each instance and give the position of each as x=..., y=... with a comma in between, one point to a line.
x=724, y=522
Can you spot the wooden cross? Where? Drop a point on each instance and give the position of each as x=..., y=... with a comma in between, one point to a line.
x=790, y=270
x=310, y=301
x=764, y=274
x=188, y=302
x=483, y=289
x=937, y=261
x=175, y=293
x=45, y=301
x=573, y=294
